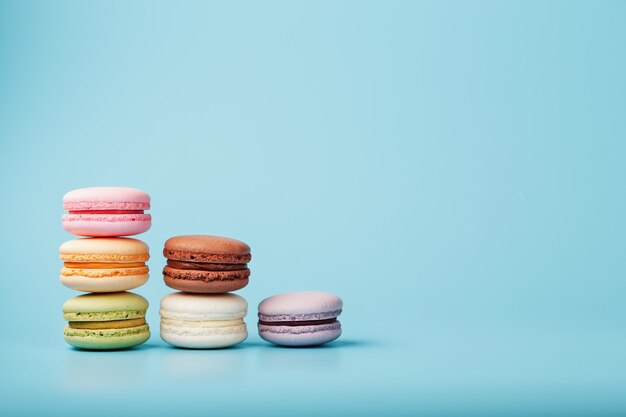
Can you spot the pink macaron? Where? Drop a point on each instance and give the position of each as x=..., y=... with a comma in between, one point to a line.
x=106, y=211
x=306, y=318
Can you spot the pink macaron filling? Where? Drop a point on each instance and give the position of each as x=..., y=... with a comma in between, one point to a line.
x=106, y=211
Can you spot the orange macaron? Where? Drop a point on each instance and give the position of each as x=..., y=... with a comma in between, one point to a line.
x=104, y=264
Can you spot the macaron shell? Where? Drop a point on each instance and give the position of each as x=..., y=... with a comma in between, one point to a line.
x=107, y=339
x=204, y=338
x=311, y=335
x=208, y=282
x=285, y=306
x=106, y=198
x=203, y=307
x=104, y=249
x=207, y=248
x=218, y=245
x=104, y=285
x=106, y=225
x=104, y=303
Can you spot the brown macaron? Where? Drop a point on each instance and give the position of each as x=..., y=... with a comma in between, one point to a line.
x=206, y=264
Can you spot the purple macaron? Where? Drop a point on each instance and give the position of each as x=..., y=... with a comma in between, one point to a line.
x=306, y=318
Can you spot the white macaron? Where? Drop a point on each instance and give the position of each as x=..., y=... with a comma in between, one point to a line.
x=203, y=321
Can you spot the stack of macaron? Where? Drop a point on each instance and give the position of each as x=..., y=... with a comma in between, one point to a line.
x=105, y=265
x=205, y=269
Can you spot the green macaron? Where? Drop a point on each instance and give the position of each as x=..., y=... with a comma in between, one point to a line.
x=106, y=321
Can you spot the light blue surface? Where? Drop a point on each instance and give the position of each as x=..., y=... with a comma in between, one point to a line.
x=455, y=171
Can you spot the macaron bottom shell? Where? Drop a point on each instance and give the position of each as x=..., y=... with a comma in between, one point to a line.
x=106, y=225
x=205, y=282
x=104, y=284
x=203, y=338
x=311, y=335
x=107, y=339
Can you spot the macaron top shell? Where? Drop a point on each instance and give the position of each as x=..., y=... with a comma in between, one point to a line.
x=206, y=248
x=188, y=306
x=109, y=302
x=284, y=307
x=106, y=198
x=104, y=249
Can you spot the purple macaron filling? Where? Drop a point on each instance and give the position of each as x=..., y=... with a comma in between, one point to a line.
x=298, y=323
x=274, y=318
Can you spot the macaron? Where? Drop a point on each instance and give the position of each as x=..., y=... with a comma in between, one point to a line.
x=106, y=211
x=106, y=321
x=203, y=321
x=206, y=264
x=104, y=264
x=305, y=318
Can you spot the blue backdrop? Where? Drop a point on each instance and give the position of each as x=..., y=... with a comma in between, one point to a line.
x=455, y=171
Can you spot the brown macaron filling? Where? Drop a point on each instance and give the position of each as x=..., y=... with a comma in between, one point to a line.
x=205, y=266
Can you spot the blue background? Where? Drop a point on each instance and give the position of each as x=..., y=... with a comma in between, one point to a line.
x=455, y=171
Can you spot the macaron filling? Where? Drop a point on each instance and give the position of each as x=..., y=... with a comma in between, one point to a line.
x=111, y=324
x=104, y=265
x=205, y=266
x=298, y=323
x=106, y=211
